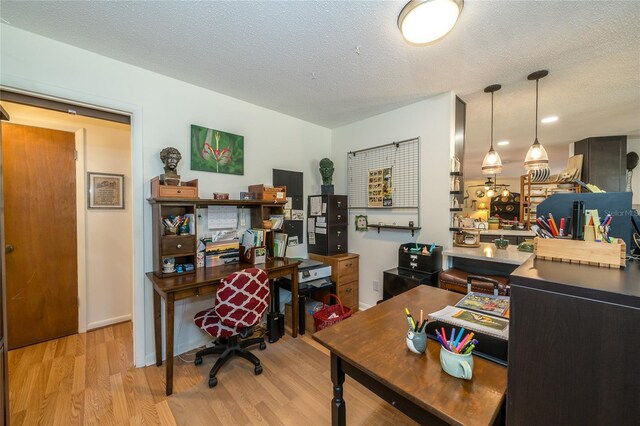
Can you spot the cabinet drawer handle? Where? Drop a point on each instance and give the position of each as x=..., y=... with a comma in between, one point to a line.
x=338, y=233
x=339, y=203
x=339, y=217
x=179, y=246
x=179, y=191
x=338, y=246
x=347, y=265
x=348, y=290
x=413, y=265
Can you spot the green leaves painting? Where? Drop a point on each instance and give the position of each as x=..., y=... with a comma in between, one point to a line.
x=216, y=151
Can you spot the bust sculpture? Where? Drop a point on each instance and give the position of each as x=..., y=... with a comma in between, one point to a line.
x=326, y=171
x=170, y=158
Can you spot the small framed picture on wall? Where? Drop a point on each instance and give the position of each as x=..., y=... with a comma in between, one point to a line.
x=105, y=191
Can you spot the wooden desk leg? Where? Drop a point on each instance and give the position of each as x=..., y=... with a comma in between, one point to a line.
x=295, y=306
x=169, y=345
x=338, y=406
x=157, y=326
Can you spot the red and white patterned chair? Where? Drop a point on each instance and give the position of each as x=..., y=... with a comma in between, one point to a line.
x=241, y=300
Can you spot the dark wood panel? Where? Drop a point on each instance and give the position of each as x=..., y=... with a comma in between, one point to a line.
x=570, y=360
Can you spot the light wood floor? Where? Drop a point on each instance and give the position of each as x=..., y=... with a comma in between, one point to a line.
x=89, y=379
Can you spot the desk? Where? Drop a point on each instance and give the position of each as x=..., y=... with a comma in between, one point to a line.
x=205, y=281
x=370, y=347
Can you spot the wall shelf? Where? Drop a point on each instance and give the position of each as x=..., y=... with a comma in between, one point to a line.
x=455, y=192
x=399, y=227
x=455, y=173
x=456, y=209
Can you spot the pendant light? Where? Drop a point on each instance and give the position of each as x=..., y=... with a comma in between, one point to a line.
x=492, y=164
x=537, y=157
x=424, y=21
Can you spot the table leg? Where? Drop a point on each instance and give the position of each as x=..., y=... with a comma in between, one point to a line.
x=295, y=307
x=157, y=327
x=169, y=344
x=338, y=406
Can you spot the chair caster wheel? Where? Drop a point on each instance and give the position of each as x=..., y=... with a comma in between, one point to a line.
x=213, y=382
x=258, y=370
x=263, y=346
x=197, y=361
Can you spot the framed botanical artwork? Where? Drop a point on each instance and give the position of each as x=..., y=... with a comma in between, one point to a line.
x=216, y=151
x=105, y=191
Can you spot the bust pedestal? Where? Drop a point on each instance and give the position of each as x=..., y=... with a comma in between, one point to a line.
x=326, y=190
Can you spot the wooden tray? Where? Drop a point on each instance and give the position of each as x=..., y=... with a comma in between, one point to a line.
x=583, y=252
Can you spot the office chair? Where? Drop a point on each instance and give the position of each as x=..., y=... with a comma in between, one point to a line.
x=241, y=300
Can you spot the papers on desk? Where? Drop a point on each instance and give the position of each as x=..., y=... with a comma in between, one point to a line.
x=253, y=238
x=487, y=324
x=222, y=217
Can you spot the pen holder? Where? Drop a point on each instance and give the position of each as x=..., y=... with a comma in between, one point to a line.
x=456, y=365
x=170, y=230
x=184, y=229
x=416, y=342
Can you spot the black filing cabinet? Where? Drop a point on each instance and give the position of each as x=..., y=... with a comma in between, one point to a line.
x=330, y=225
x=397, y=281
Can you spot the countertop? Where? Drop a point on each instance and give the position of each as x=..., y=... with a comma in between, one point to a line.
x=489, y=253
x=511, y=232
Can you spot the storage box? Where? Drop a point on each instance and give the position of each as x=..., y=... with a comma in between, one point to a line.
x=308, y=318
x=255, y=255
x=416, y=260
x=220, y=195
x=247, y=195
x=277, y=193
x=184, y=190
x=585, y=252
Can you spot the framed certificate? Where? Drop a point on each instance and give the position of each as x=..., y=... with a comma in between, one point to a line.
x=106, y=191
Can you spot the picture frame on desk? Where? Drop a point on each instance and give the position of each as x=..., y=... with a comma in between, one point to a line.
x=105, y=191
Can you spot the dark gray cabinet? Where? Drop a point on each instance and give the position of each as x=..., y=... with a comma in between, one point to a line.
x=604, y=162
x=573, y=345
x=330, y=225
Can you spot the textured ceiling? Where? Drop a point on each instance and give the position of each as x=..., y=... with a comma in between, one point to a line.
x=335, y=62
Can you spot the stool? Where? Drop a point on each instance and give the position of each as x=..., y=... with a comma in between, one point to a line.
x=460, y=281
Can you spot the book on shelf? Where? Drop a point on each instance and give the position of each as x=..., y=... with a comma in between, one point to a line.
x=472, y=320
x=486, y=304
x=277, y=220
x=280, y=244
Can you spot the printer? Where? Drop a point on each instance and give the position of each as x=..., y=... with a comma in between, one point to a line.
x=312, y=275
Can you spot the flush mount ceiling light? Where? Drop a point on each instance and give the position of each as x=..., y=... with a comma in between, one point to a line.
x=424, y=21
x=492, y=164
x=550, y=119
x=503, y=143
x=537, y=157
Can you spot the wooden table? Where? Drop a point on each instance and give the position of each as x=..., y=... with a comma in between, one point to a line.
x=205, y=281
x=370, y=347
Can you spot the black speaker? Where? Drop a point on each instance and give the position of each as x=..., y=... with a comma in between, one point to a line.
x=275, y=326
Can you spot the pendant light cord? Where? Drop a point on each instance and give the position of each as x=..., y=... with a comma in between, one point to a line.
x=537, y=80
x=491, y=121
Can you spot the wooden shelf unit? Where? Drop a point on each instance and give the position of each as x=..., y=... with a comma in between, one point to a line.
x=184, y=247
x=533, y=193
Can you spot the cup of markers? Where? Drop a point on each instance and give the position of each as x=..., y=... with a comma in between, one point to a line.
x=456, y=352
x=416, y=338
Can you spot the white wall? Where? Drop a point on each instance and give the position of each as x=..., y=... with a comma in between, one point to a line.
x=433, y=121
x=163, y=111
x=105, y=258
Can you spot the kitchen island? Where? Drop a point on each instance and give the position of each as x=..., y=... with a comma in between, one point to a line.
x=486, y=259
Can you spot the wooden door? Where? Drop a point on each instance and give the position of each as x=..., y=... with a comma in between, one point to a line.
x=40, y=234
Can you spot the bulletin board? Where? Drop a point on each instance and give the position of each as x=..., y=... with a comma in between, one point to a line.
x=385, y=177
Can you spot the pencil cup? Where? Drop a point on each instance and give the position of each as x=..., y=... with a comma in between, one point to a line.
x=457, y=365
x=170, y=230
x=416, y=342
x=184, y=229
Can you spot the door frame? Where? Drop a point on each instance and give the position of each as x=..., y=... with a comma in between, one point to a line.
x=61, y=94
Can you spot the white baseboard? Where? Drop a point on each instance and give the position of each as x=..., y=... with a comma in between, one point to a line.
x=150, y=358
x=108, y=321
x=363, y=306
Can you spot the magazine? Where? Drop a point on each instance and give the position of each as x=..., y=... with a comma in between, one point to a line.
x=471, y=320
x=486, y=304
